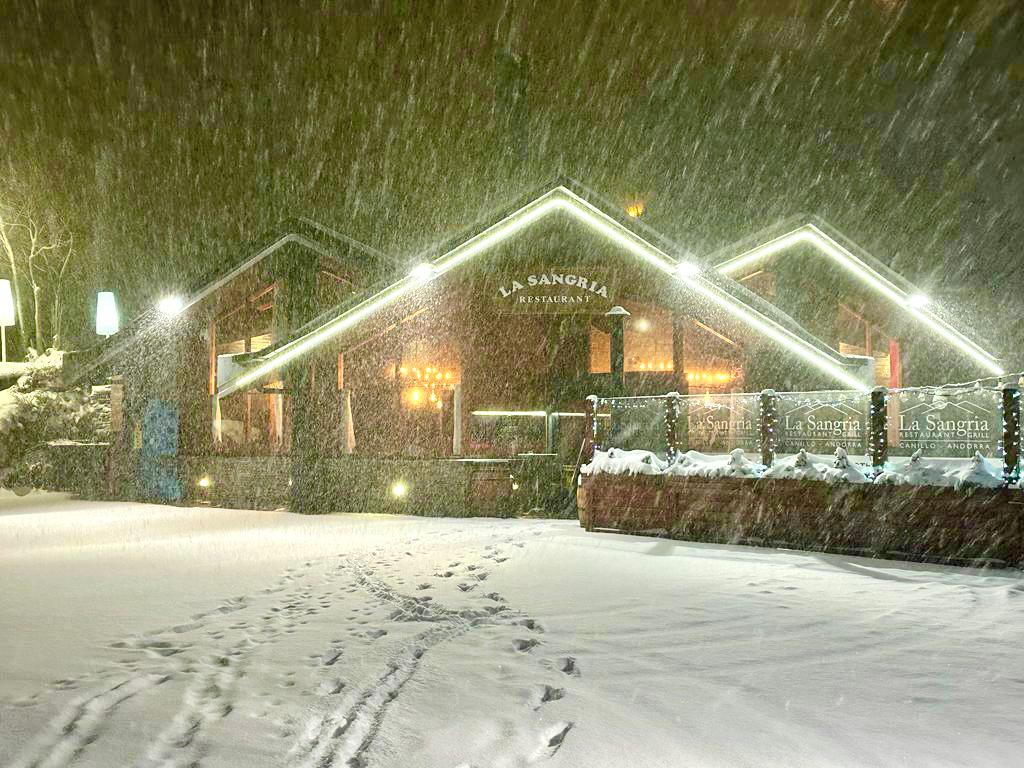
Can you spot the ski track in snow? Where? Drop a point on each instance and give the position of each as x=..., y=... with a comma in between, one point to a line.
x=341, y=735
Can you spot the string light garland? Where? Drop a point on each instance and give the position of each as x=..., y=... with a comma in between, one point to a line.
x=873, y=435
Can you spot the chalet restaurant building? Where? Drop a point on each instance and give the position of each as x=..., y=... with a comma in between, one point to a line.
x=319, y=372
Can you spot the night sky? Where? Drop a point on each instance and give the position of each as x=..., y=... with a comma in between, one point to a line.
x=171, y=133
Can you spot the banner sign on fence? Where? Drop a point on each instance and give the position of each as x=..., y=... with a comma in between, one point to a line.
x=720, y=423
x=820, y=421
x=944, y=426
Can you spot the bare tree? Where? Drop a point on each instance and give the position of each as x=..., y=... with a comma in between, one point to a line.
x=39, y=249
x=49, y=252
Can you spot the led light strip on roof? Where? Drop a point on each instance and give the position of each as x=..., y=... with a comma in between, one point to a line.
x=420, y=274
x=557, y=199
x=615, y=232
x=910, y=303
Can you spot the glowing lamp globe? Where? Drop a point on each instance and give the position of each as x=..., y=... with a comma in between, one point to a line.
x=170, y=305
x=107, y=320
x=6, y=304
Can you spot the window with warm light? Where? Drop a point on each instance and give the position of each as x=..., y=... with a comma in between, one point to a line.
x=648, y=340
x=424, y=385
x=600, y=351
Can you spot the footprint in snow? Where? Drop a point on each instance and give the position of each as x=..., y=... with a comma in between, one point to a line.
x=525, y=646
x=568, y=666
x=374, y=634
x=424, y=586
x=332, y=687
x=545, y=693
x=467, y=587
x=552, y=740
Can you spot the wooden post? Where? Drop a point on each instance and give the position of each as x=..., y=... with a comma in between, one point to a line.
x=671, y=419
x=878, y=437
x=1011, y=434
x=769, y=415
x=590, y=427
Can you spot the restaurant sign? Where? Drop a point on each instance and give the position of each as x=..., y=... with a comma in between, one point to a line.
x=941, y=426
x=720, y=423
x=553, y=291
x=819, y=422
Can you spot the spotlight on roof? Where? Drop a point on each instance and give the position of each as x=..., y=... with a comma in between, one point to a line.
x=171, y=305
x=918, y=301
x=422, y=272
x=687, y=269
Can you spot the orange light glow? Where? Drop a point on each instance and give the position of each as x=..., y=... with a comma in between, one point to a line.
x=709, y=377
x=636, y=210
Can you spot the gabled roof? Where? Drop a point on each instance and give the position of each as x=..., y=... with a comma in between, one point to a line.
x=838, y=249
x=302, y=231
x=570, y=198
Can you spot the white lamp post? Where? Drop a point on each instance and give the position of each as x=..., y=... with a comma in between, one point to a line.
x=6, y=315
x=107, y=321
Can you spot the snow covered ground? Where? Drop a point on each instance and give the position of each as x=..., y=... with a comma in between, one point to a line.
x=137, y=635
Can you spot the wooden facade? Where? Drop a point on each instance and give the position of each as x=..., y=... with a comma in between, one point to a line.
x=494, y=359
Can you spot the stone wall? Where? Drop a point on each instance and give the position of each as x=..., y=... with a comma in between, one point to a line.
x=431, y=487
x=920, y=523
x=245, y=482
x=354, y=484
x=435, y=487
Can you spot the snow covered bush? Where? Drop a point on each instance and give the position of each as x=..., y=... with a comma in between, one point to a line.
x=918, y=472
x=800, y=467
x=961, y=474
x=37, y=410
x=975, y=472
x=694, y=464
x=616, y=461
